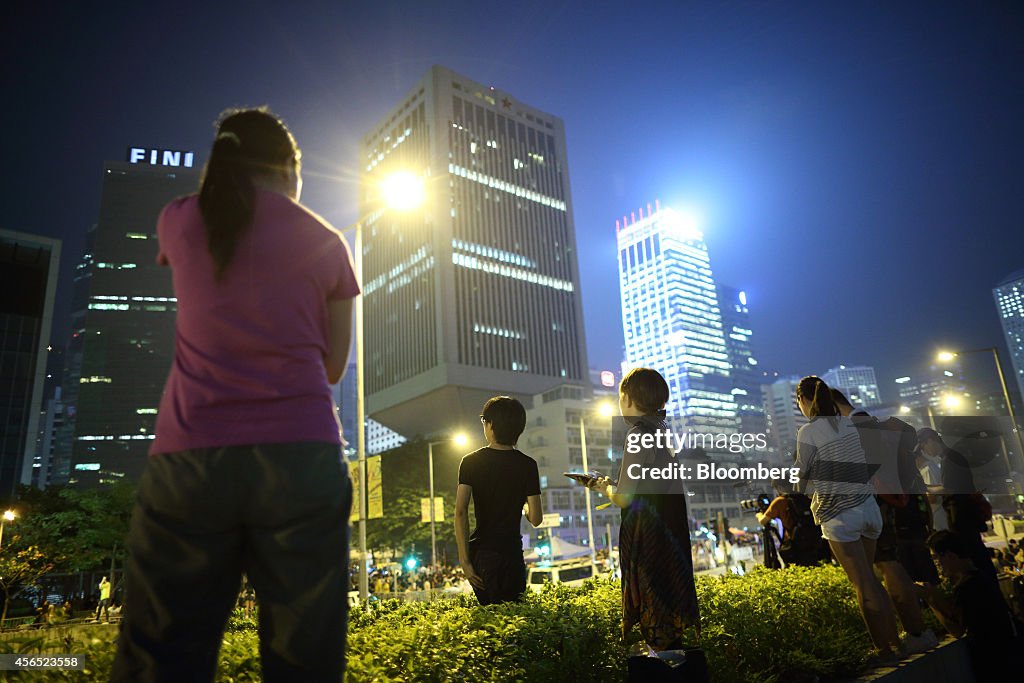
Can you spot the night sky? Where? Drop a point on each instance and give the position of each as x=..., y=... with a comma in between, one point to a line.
x=856, y=166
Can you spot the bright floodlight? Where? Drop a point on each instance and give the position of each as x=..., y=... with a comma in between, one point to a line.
x=951, y=401
x=945, y=356
x=460, y=439
x=9, y=515
x=402, y=191
x=605, y=409
x=904, y=409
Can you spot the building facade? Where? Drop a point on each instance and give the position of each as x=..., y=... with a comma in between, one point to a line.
x=29, y=268
x=1009, y=297
x=858, y=382
x=937, y=387
x=552, y=437
x=122, y=342
x=671, y=317
x=483, y=282
x=783, y=415
x=739, y=345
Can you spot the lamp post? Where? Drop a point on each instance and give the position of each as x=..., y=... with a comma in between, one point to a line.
x=947, y=356
x=460, y=440
x=401, y=191
x=604, y=409
x=8, y=516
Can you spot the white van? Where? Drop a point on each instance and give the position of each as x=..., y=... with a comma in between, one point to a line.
x=569, y=572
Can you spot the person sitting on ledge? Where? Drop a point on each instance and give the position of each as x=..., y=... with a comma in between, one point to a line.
x=977, y=611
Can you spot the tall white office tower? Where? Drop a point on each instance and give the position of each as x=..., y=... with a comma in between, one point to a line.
x=478, y=293
x=671, y=316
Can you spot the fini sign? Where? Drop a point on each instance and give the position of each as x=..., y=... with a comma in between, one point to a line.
x=160, y=157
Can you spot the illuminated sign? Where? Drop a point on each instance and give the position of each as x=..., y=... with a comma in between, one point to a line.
x=607, y=378
x=160, y=157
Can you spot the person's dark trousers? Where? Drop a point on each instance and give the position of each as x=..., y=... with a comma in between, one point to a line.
x=278, y=512
x=979, y=554
x=503, y=573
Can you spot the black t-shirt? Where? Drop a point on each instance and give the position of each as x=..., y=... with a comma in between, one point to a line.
x=958, y=482
x=987, y=619
x=501, y=482
x=956, y=473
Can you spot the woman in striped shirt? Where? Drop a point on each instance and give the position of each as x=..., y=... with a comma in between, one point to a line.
x=830, y=456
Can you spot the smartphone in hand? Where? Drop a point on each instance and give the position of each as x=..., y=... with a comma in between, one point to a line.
x=585, y=478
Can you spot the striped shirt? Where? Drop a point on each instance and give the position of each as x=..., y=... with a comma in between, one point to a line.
x=829, y=455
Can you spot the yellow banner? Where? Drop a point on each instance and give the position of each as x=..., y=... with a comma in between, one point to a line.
x=353, y=474
x=438, y=509
x=374, y=488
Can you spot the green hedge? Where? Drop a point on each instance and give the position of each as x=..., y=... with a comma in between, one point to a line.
x=789, y=625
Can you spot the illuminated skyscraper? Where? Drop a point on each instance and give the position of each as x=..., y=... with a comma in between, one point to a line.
x=739, y=344
x=122, y=328
x=857, y=382
x=478, y=293
x=1009, y=296
x=29, y=265
x=932, y=386
x=671, y=316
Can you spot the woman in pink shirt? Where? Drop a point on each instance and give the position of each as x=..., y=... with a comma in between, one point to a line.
x=246, y=474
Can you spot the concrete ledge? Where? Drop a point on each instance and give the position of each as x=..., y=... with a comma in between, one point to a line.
x=948, y=662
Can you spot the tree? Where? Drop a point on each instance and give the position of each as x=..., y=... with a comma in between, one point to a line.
x=20, y=567
x=401, y=526
x=78, y=529
x=404, y=474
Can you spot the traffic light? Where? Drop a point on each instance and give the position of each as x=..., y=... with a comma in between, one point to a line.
x=410, y=563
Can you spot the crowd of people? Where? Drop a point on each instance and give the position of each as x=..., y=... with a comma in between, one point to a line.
x=245, y=475
x=891, y=503
x=1009, y=560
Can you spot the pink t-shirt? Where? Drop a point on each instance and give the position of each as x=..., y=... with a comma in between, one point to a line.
x=248, y=351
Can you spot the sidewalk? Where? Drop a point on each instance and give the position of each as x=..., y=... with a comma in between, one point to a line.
x=946, y=663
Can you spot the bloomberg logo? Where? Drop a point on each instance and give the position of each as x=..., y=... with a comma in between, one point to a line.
x=160, y=157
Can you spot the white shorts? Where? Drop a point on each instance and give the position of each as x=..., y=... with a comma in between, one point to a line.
x=850, y=525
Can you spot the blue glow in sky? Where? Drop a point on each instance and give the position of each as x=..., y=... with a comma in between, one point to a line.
x=855, y=166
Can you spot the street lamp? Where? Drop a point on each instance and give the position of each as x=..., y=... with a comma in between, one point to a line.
x=947, y=356
x=604, y=410
x=401, y=191
x=8, y=516
x=459, y=440
x=951, y=401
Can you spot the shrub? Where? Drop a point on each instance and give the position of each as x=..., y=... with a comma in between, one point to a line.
x=790, y=625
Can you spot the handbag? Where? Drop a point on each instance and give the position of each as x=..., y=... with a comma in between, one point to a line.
x=689, y=665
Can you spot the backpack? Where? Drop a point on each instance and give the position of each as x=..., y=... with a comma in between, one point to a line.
x=803, y=544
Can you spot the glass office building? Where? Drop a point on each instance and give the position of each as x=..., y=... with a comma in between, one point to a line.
x=671, y=317
x=29, y=267
x=122, y=340
x=477, y=293
x=1009, y=296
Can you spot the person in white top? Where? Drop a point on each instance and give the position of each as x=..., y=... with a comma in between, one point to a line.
x=829, y=454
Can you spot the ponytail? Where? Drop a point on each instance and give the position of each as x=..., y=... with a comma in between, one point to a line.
x=249, y=142
x=814, y=390
x=225, y=200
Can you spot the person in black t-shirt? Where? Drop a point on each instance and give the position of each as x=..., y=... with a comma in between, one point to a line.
x=977, y=610
x=499, y=479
